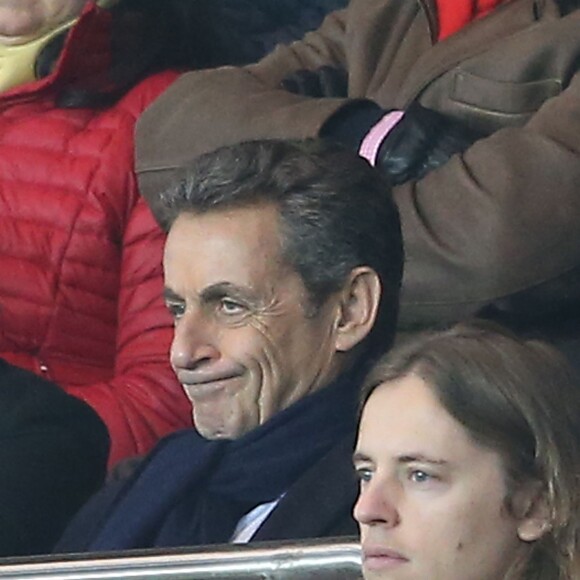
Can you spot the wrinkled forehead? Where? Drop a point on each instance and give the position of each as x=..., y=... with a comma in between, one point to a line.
x=240, y=247
x=254, y=231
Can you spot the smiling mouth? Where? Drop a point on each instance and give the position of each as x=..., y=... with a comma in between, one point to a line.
x=207, y=388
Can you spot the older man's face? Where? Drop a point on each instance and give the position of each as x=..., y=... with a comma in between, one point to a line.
x=244, y=347
x=21, y=20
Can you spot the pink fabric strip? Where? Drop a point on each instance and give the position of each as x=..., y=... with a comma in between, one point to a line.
x=373, y=139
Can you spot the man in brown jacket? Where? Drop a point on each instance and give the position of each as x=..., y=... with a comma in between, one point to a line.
x=497, y=224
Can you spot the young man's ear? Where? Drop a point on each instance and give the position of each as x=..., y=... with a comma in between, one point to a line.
x=531, y=507
x=357, y=308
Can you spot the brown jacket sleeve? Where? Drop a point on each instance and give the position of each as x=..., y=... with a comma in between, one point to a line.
x=502, y=218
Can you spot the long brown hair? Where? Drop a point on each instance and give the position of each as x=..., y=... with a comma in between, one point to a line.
x=520, y=398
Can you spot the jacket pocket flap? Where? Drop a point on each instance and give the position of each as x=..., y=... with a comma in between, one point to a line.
x=503, y=97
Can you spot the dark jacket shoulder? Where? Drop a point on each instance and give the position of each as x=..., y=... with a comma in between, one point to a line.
x=320, y=503
x=54, y=450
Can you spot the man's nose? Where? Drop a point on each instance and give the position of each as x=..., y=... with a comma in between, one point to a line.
x=194, y=343
x=377, y=505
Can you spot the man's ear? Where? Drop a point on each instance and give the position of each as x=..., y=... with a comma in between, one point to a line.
x=531, y=507
x=357, y=307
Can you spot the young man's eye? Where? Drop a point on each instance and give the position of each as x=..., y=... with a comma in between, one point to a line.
x=420, y=476
x=176, y=309
x=363, y=474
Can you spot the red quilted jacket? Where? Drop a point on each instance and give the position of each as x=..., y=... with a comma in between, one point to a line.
x=80, y=253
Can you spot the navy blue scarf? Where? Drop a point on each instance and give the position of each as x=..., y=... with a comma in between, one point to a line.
x=192, y=491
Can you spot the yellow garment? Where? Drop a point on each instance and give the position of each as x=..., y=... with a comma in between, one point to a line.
x=18, y=62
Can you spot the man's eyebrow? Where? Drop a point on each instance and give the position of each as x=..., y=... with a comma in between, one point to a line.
x=420, y=458
x=359, y=457
x=169, y=294
x=221, y=289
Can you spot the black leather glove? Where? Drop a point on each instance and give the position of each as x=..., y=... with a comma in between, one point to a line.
x=420, y=142
x=327, y=81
